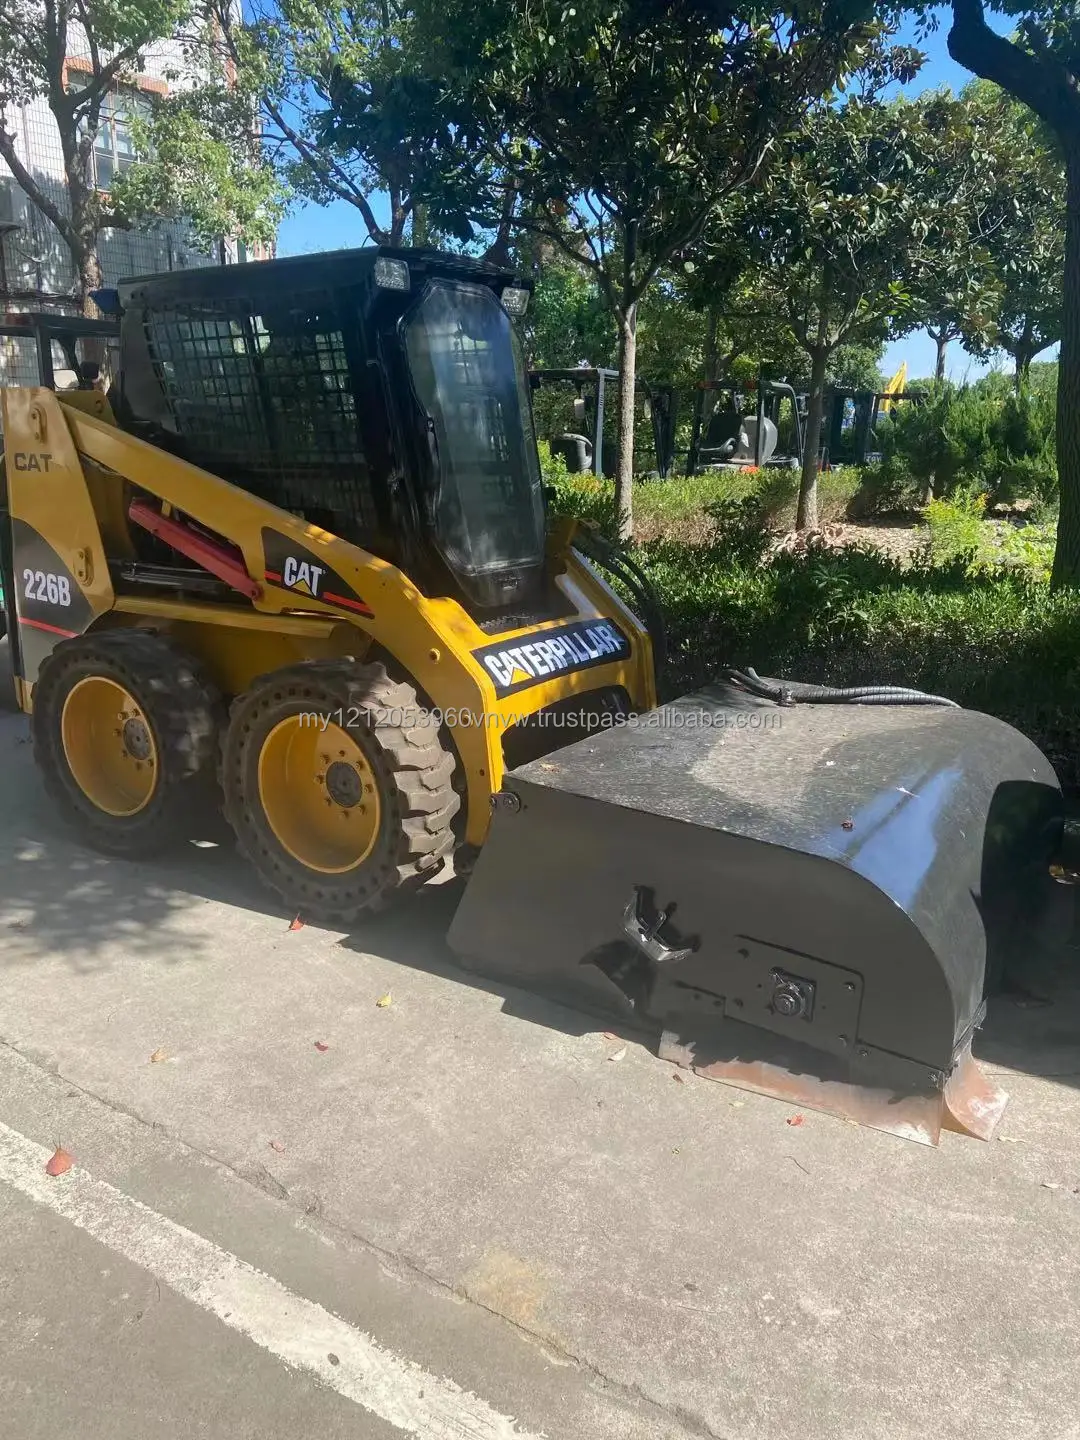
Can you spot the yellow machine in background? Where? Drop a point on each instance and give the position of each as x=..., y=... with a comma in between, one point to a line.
x=894, y=387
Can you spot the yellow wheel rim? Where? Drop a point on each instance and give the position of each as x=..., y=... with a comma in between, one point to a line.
x=319, y=795
x=109, y=746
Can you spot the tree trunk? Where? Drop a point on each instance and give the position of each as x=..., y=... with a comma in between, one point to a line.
x=1023, y=354
x=941, y=340
x=1067, y=554
x=498, y=252
x=624, y=480
x=399, y=215
x=88, y=266
x=806, y=517
x=711, y=354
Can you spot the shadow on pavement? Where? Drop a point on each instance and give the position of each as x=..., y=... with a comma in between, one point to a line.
x=414, y=935
x=59, y=899
x=1038, y=1034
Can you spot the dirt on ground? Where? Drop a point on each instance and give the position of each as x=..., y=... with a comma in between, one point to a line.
x=898, y=538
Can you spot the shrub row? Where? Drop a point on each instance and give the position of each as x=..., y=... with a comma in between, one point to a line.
x=971, y=616
x=996, y=642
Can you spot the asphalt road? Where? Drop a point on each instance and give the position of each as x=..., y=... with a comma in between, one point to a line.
x=468, y=1214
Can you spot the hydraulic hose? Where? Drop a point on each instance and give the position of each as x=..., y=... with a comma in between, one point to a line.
x=794, y=692
x=618, y=563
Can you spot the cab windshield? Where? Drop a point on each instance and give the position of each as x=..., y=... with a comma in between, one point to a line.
x=469, y=378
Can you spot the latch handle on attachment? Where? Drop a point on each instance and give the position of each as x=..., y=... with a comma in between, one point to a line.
x=645, y=934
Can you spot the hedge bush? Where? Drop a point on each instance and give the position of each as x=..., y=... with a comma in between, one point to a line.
x=683, y=505
x=992, y=640
x=970, y=616
x=981, y=437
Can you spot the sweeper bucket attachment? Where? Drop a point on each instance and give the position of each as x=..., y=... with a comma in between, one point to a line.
x=803, y=900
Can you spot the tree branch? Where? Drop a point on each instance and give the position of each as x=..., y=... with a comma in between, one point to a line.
x=329, y=172
x=31, y=188
x=1043, y=86
x=498, y=252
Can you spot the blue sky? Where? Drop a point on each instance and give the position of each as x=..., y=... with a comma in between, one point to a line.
x=331, y=227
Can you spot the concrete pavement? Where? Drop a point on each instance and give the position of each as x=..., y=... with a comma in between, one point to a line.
x=589, y=1246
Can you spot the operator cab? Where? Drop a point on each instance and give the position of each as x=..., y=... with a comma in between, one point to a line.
x=379, y=393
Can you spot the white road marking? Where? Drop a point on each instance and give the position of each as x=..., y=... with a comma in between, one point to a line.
x=293, y=1329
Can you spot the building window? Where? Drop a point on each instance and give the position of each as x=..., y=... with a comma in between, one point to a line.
x=114, y=146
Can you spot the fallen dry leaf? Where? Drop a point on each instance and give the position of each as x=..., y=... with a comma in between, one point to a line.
x=383, y=1001
x=680, y=1078
x=618, y=1055
x=608, y=1035
x=59, y=1163
x=158, y=1056
x=1046, y=1184
x=736, y=1104
x=278, y=1146
x=795, y=1119
x=322, y=1049
x=296, y=923
x=1010, y=1139
x=847, y=824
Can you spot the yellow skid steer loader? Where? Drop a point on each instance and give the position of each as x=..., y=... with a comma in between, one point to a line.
x=297, y=564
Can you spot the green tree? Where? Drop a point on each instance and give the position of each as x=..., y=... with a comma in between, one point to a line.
x=345, y=112
x=753, y=331
x=568, y=321
x=206, y=169
x=1040, y=66
x=202, y=160
x=849, y=233
x=961, y=296
x=1020, y=231
x=36, y=42
x=620, y=128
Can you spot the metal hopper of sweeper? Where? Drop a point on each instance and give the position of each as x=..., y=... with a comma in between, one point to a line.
x=802, y=899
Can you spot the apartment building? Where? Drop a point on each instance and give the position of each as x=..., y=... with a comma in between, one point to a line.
x=35, y=266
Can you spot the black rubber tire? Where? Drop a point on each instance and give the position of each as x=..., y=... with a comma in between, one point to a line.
x=413, y=768
x=183, y=711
